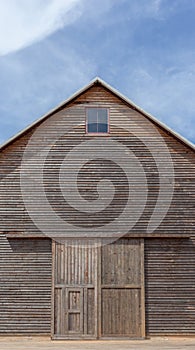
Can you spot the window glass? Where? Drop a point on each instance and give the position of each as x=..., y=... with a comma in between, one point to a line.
x=92, y=120
x=97, y=120
x=102, y=120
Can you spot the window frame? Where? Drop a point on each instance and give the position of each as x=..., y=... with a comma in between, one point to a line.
x=86, y=121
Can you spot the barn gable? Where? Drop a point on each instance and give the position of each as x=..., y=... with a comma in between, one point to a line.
x=148, y=222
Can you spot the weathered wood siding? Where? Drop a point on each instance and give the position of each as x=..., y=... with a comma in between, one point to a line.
x=170, y=286
x=25, y=286
x=181, y=215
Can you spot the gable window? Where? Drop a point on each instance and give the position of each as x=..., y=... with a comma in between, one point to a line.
x=97, y=120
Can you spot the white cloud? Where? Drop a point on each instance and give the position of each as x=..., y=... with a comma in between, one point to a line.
x=162, y=86
x=23, y=22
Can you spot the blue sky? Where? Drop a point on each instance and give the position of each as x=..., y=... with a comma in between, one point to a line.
x=51, y=48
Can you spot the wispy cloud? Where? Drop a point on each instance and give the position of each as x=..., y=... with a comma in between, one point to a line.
x=167, y=92
x=139, y=47
x=150, y=8
x=23, y=22
x=36, y=82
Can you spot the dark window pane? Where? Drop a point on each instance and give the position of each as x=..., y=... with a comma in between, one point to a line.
x=102, y=127
x=92, y=127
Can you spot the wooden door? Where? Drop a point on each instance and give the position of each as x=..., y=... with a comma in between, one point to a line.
x=75, y=302
x=98, y=292
x=122, y=289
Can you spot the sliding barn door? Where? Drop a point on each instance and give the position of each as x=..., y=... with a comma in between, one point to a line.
x=98, y=292
x=122, y=289
x=75, y=302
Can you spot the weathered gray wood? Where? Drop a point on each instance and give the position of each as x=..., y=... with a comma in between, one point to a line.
x=180, y=217
x=74, y=269
x=19, y=234
x=122, y=284
x=116, y=282
x=25, y=286
x=143, y=320
x=170, y=286
x=53, y=291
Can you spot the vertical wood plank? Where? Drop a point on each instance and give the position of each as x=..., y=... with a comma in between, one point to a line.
x=95, y=265
x=81, y=311
x=85, y=311
x=53, y=287
x=142, y=253
x=65, y=311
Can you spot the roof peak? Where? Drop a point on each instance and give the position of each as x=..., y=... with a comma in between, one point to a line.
x=99, y=80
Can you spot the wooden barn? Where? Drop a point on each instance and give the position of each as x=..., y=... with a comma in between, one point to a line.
x=97, y=223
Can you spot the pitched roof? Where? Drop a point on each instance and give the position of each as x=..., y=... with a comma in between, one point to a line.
x=93, y=82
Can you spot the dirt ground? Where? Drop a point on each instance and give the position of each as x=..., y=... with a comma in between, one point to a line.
x=44, y=343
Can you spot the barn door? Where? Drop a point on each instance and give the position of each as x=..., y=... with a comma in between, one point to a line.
x=99, y=292
x=75, y=306
x=122, y=289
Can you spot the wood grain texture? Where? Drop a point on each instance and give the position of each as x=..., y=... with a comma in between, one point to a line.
x=180, y=218
x=121, y=290
x=25, y=286
x=119, y=272
x=74, y=291
x=170, y=286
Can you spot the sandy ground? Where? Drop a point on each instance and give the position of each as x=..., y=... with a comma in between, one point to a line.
x=44, y=343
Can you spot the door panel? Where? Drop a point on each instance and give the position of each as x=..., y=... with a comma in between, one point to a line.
x=73, y=307
x=121, y=263
x=120, y=312
x=74, y=265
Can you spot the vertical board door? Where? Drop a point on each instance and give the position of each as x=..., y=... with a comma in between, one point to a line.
x=98, y=292
x=74, y=277
x=122, y=289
